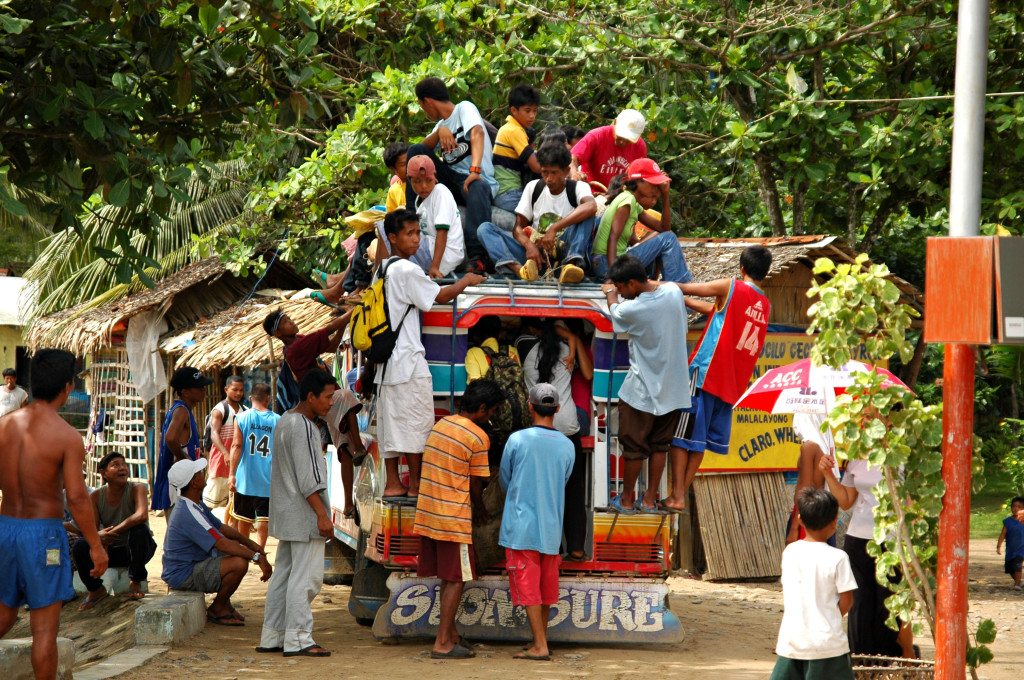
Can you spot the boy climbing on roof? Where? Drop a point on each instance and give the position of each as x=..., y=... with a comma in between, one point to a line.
x=560, y=212
x=514, y=157
x=721, y=365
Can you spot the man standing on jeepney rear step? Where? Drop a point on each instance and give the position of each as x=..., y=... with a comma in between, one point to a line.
x=454, y=470
x=463, y=155
x=40, y=457
x=405, y=392
x=657, y=386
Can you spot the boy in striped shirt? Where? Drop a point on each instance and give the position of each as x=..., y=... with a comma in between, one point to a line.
x=454, y=468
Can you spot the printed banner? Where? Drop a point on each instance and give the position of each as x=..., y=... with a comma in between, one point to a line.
x=588, y=610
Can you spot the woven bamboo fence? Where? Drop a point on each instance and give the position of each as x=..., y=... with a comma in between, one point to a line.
x=742, y=524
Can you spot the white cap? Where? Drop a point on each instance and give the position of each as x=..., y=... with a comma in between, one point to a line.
x=630, y=124
x=181, y=473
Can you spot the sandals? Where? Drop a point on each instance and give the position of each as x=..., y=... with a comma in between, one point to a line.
x=270, y=650
x=646, y=509
x=615, y=505
x=531, y=657
x=660, y=503
x=312, y=650
x=456, y=652
x=225, y=620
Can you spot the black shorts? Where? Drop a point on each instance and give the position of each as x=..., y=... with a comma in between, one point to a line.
x=642, y=433
x=1012, y=565
x=251, y=508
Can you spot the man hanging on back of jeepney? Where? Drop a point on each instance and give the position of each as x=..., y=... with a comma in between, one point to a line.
x=462, y=152
x=721, y=364
x=405, y=392
x=179, y=436
x=301, y=352
x=656, y=388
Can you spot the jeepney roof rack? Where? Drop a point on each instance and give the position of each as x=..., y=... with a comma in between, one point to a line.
x=585, y=290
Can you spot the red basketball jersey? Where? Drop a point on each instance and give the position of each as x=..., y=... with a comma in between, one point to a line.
x=734, y=340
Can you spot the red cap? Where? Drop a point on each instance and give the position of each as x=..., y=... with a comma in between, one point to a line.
x=647, y=170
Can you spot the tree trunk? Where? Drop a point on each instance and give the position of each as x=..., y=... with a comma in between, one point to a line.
x=767, y=186
x=799, y=207
x=853, y=201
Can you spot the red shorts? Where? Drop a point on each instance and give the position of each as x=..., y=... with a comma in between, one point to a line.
x=447, y=560
x=532, y=577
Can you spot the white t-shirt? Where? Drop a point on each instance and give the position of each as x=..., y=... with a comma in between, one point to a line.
x=863, y=478
x=813, y=576
x=440, y=208
x=11, y=400
x=466, y=116
x=406, y=285
x=546, y=203
x=566, y=421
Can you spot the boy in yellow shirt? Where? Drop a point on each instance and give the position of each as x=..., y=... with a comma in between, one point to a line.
x=514, y=158
x=394, y=160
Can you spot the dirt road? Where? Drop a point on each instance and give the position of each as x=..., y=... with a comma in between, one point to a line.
x=729, y=629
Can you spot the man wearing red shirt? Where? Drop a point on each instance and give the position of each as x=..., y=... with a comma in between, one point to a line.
x=301, y=352
x=607, y=151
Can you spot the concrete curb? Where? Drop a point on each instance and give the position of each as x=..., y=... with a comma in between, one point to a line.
x=169, y=619
x=16, y=658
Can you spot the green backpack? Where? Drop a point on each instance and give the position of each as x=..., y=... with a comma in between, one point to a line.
x=514, y=413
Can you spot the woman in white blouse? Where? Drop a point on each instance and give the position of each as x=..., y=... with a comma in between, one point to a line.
x=867, y=630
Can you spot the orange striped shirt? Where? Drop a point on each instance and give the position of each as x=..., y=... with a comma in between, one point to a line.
x=455, y=451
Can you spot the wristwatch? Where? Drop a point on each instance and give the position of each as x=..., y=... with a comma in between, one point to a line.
x=256, y=557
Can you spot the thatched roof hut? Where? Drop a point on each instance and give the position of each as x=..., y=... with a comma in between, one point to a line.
x=791, y=274
x=235, y=337
x=188, y=296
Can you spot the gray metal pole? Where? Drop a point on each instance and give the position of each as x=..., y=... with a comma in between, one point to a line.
x=968, y=118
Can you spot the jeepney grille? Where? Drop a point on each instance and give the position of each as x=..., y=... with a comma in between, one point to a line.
x=629, y=552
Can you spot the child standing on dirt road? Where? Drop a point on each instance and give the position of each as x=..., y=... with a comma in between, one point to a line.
x=1013, y=534
x=817, y=591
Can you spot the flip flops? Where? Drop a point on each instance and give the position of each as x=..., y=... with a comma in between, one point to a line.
x=456, y=652
x=270, y=650
x=668, y=508
x=615, y=505
x=312, y=650
x=531, y=657
x=642, y=509
x=225, y=620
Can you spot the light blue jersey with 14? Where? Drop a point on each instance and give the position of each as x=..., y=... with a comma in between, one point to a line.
x=252, y=477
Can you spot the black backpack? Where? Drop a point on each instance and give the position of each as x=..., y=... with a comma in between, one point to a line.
x=570, y=191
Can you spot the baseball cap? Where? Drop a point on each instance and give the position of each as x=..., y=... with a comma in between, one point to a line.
x=420, y=165
x=187, y=376
x=630, y=124
x=647, y=170
x=181, y=473
x=544, y=394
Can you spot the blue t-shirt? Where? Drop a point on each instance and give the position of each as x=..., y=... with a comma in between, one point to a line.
x=1014, y=538
x=191, y=534
x=252, y=477
x=658, y=381
x=534, y=469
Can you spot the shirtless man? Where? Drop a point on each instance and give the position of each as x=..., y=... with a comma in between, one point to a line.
x=42, y=456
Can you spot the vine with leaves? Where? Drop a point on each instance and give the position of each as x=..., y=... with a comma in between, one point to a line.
x=890, y=428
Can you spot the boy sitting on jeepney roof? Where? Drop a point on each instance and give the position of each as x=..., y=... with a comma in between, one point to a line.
x=514, y=157
x=646, y=184
x=560, y=214
x=395, y=156
x=440, y=220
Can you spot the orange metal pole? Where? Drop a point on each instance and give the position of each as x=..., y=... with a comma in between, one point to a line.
x=954, y=520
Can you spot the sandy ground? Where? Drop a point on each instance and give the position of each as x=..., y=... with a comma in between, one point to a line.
x=729, y=629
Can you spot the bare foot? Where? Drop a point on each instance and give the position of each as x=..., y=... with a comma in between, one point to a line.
x=395, y=492
x=333, y=280
x=673, y=505
x=93, y=598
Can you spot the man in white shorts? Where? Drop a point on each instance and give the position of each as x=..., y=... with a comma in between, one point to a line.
x=405, y=393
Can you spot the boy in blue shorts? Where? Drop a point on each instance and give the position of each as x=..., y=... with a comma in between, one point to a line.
x=252, y=450
x=1013, y=534
x=41, y=456
x=720, y=366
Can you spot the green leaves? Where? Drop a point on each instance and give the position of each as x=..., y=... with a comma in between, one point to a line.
x=979, y=653
x=209, y=17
